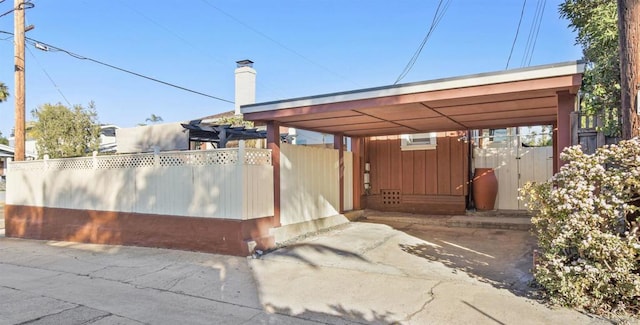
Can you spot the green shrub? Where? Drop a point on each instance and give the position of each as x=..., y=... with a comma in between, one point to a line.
x=585, y=222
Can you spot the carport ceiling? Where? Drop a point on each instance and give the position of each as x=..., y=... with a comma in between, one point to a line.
x=491, y=100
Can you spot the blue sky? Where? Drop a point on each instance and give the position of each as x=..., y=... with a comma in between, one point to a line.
x=300, y=48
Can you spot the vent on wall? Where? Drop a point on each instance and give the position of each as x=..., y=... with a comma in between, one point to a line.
x=390, y=197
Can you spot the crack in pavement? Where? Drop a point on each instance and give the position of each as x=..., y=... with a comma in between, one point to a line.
x=75, y=305
x=376, y=244
x=125, y=282
x=41, y=317
x=174, y=282
x=424, y=306
x=148, y=273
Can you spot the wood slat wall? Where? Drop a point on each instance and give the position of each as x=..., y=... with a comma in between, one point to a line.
x=442, y=171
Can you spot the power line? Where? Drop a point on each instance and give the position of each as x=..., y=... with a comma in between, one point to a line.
x=269, y=87
x=278, y=43
x=49, y=76
x=48, y=47
x=517, y=31
x=525, y=53
x=25, y=5
x=533, y=33
x=437, y=17
x=535, y=39
x=141, y=14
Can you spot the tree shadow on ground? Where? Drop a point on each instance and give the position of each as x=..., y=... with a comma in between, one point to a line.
x=339, y=315
x=304, y=251
x=502, y=258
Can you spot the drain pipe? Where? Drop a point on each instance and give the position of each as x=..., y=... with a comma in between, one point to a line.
x=470, y=198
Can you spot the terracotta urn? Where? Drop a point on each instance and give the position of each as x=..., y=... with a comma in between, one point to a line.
x=485, y=188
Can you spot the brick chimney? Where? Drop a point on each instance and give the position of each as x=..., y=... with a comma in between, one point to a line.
x=245, y=84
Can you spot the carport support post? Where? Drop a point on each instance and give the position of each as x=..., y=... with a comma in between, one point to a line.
x=338, y=143
x=554, y=139
x=566, y=105
x=273, y=143
x=356, y=150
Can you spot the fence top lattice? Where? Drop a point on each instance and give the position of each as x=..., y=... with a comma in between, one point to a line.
x=216, y=157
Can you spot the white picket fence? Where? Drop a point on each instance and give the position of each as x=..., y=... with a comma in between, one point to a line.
x=223, y=183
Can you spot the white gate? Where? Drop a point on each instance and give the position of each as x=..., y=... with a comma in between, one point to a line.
x=514, y=165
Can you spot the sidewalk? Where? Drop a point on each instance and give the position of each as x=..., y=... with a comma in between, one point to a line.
x=360, y=273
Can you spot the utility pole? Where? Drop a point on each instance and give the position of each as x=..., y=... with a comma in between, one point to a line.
x=629, y=31
x=19, y=76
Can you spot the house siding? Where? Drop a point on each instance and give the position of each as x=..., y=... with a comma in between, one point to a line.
x=428, y=181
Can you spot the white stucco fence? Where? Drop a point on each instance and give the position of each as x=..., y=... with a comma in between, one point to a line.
x=223, y=183
x=309, y=180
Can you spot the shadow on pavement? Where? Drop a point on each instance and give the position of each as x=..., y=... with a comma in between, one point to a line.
x=300, y=252
x=502, y=258
x=341, y=315
x=149, y=285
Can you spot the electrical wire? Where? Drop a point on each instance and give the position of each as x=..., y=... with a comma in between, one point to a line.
x=269, y=87
x=51, y=48
x=535, y=39
x=437, y=17
x=49, y=77
x=517, y=32
x=267, y=37
x=533, y=33
x=525, y=54
x=141, y=14
x=23, y=6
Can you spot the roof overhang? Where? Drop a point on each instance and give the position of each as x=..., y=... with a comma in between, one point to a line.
x=515, y=97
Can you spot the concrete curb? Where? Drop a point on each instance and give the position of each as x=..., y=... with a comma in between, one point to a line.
x=518, y=221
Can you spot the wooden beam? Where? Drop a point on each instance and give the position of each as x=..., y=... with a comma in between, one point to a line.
x=338, y=143
x=358, y=186
x=273, y=143
x=566, y=105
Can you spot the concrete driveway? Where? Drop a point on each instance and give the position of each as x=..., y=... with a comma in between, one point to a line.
x=360, y=273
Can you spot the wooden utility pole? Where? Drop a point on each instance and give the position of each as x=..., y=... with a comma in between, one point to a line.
x=629, y=30
x=19, y=90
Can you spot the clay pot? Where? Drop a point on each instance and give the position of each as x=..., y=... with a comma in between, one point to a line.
x=485, y=188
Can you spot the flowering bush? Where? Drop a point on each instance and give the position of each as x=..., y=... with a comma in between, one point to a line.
x=585, y=222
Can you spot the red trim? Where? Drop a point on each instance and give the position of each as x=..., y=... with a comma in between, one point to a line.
x=356, y=149
x=524, y=86
x=210, y=235
x=273, y=143
x=566, y=105
x=338, y=143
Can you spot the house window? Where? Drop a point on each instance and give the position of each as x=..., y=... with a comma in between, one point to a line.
x=419, y=141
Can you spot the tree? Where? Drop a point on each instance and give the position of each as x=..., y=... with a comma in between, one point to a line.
x=3, y=140
x=66, y=132
x=154, y=119
x=628, y=21
x=4, y=92
x=596, y=22
x=234, y=120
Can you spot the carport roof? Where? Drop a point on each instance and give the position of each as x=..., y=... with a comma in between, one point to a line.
x=526, y=96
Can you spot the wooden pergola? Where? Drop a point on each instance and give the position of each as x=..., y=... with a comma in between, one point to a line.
x=219, y=135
